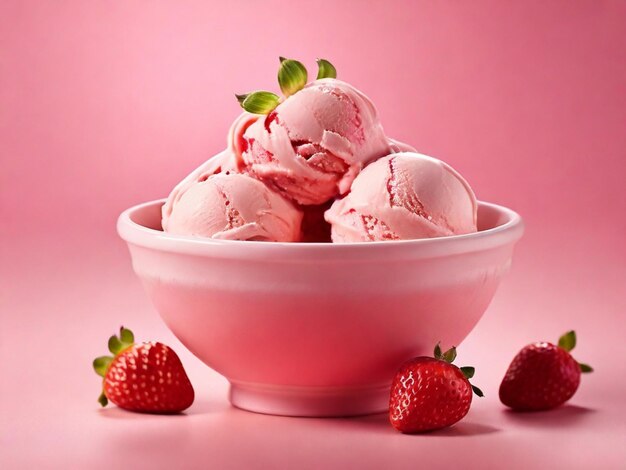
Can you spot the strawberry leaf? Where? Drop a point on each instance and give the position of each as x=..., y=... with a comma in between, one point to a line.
x=568, y=341
x=585, y=368
x=468, y=372
x=437, y=353
x=102, y=399
x=325, y=69
x=101, y=365
x=450, y=355
x=127, y=336
x=115, y=345
x=477, y=391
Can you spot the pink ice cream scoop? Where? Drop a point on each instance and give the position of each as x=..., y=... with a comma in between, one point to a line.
x=233, y=206
x=226, y=161
x=223, y=161
x=311, y=147
x=404, y=196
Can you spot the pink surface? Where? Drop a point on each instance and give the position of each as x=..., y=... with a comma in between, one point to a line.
x=104, y=105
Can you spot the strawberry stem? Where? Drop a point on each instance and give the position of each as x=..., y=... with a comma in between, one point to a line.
x=585, y=368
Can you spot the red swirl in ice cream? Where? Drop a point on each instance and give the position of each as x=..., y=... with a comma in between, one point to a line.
x=313, y=144
x=404, y=196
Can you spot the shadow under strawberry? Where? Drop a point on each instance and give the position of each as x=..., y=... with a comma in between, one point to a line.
x=564, y=416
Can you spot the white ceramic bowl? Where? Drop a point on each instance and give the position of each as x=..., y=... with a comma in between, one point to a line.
x=318, y=329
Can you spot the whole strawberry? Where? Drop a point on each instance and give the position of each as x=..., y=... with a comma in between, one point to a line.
x=542, y=376
x=146, y=377
x=429, y=393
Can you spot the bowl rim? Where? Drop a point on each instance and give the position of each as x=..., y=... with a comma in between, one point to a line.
x=136, y=234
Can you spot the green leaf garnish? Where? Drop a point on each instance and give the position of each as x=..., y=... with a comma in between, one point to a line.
x=568, y=340
x=585, y=368
x=325, y=69
x=477, y=391
x=468, y=371
x=450, y=355
x=258, y=102
x=101, y=365
x=292, y=76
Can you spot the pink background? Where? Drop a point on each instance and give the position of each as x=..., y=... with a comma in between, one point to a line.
x=106, y=104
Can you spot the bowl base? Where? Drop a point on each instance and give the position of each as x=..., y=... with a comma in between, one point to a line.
x=309, y=401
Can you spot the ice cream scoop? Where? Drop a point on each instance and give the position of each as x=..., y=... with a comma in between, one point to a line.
x=225, y=161
x=313, y=144
x=233, y=206
x=404, y=196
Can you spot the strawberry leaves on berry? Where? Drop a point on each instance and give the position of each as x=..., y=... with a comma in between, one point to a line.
x=292, y=77
x=542, y=375
x=568, y=342
x=101, y=364
x=449, y=356
x=146, y=377
x=116, y=345
x=125, y=340
x=429, y=393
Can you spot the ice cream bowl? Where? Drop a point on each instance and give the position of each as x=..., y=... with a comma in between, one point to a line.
x=314, y=329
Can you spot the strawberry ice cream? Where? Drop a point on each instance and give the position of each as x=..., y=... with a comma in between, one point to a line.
x=404, y=196
x=225, y=161
x=313, y=144
x=232, y=206
x=316, y=166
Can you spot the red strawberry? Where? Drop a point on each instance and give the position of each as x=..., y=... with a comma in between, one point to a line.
x=430, y=393
x=147, y=377
x=542, y=376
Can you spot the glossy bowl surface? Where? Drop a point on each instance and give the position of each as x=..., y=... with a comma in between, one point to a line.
x=313, y=329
